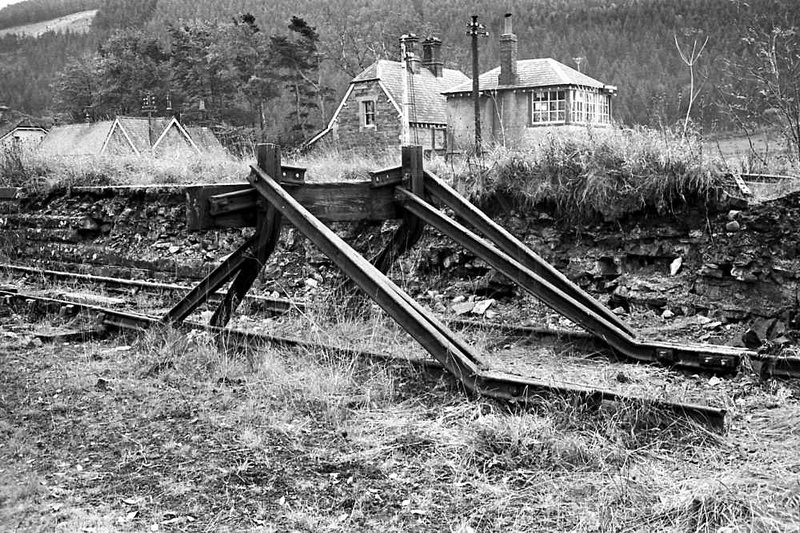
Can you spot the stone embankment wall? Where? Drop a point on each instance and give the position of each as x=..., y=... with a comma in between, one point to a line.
x=115, y=231
x=732, y=265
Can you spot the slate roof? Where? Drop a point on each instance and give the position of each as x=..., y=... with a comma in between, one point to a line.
x=429, y=102
x=76, y=139
x=85, y=139
x=140, y=132
x=26, y=123
x=532, y=73
x=205, y=140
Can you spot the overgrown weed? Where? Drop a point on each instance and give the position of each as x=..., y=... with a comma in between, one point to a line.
x=84, y=171
x=600, y=176
x=330, y=165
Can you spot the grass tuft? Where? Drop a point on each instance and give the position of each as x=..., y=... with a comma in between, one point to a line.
x=600, y=176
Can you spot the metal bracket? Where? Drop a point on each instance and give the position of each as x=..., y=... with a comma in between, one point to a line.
x=387, y=177
x=665, y=356
x=292, y=175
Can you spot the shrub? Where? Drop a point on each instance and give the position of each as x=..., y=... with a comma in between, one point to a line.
x=608, y=176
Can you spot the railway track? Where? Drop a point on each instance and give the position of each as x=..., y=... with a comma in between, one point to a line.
x=263, y=303
x=523, y=389
x=765, y=365
x=277, y=194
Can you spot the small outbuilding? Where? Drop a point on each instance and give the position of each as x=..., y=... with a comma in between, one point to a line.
x=370, y=115
x=25, y=134
x=162, y=137
x=521, y=101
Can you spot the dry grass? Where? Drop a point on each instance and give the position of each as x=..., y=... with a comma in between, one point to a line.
x=18, y=168
x=331, y=165
x=32, y=169
x=188, y=433
x=608, y=176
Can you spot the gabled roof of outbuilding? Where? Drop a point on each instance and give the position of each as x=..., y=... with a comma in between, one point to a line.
x=429, y=105
x=76, y=139
x=24, y=123
x=532, y=73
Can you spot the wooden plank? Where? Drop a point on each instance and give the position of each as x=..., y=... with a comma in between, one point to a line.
x=346, y=201
x=329, y=202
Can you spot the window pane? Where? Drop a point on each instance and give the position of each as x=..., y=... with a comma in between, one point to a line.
x=548, y=106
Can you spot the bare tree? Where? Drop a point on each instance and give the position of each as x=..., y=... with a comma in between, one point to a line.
x=690, y=58
x=765, y=86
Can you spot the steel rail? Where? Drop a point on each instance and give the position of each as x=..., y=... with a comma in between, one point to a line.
x=136, y=322
x=492, y=384
x=278, y=305
x=704, y=357
x=218, y=277
x=452, y=353
x=515, y=248
x=439, y=341
x=581, y=338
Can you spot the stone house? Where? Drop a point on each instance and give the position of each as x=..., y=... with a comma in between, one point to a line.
x=370, y=115
x=523, y=101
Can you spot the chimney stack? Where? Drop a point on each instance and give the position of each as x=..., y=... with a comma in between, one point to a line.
x=432, y=56
x=508, y=55
x=408, y=45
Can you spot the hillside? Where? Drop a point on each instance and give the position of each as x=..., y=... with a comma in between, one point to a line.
x=31, y=11
x=80, y=22
x=630, y=43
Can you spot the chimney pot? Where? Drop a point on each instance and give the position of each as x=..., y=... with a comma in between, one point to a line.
x=409, y=42
x=432, y=56
x=508, y=55
x=507, y=27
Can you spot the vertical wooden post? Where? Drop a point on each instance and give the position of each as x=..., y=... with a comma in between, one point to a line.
x=410, y=229
x=411, y=159
x=476, y=29
x=268, y=232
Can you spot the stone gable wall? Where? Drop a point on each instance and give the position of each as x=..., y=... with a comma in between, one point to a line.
x=348, y=132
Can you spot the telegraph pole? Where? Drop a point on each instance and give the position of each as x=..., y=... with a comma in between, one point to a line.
x=149, y=105
x=406, y=131
x=476, y=30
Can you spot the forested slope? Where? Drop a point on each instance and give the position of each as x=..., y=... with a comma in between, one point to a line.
x=629, y=43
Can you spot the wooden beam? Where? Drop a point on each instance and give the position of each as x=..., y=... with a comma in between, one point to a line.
x=267, y=235
x=410, y=230
x=233, y=205
x=209, y=285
